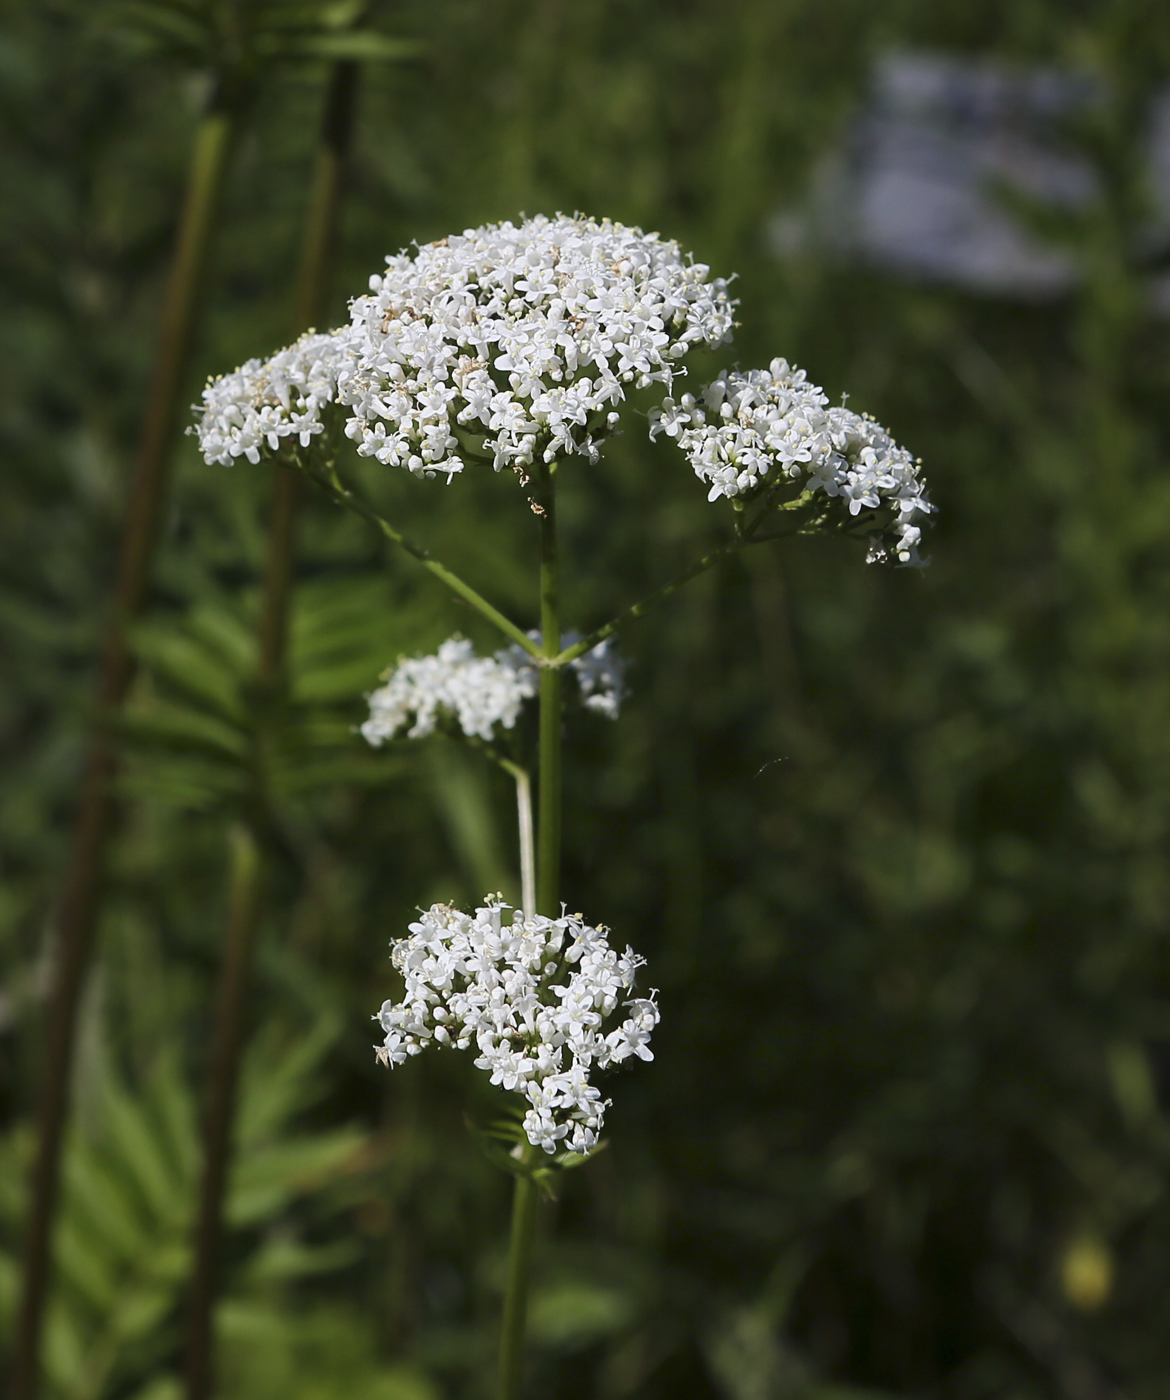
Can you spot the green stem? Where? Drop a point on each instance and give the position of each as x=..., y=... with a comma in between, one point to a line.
x=82, y=893
x=548, y=849
x=639, y=609
x=344, y=496
x=516, y=1293
x=744, y=536
x=547, y=902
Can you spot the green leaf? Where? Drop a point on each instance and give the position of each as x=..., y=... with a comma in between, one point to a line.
x=264, y=1180
x=280, y=1258
x=574, y=1313
x=361, y=45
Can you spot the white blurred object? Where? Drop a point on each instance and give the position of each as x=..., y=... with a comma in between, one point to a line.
x=922, y=182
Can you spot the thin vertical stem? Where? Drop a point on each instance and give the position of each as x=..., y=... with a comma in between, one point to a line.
x=549, y=832
x=527, y=843
x=547, y=902
x=516, y=1292
x=325, y=198
x=277, y=581
x=248, y=880
x=244, y=911
x=81, y=901
x=312, y=286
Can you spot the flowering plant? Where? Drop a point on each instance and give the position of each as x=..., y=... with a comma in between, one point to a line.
x=516, y=345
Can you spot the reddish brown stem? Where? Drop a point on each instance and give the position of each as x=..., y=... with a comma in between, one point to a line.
x=80, y=903
x=247, y=902
x=244, y=911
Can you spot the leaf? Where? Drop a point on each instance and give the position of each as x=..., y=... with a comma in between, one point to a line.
x=572, y=1314
x=362, y=45
x=142, y=1150
x=278, y=1078
x=193, y=667
x=265, y=1180
x=281, y=1258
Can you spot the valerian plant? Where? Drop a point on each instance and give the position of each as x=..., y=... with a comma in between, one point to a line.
x=517, y=346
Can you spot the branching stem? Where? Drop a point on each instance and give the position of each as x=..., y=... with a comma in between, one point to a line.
x=331, y=483
x=639, y=609
x=744, y=536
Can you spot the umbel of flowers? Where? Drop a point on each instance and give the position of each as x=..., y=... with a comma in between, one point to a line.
x=516, y=346
x=534, y=997
x=481, y=692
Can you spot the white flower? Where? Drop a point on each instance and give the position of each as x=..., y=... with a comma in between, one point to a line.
x=526, y=336
x=600, y=674
x=749, y=430
x=481, y=691
x=254, y=409
x=534, y=997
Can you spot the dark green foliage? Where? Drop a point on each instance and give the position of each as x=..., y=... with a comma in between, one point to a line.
x=895, y=845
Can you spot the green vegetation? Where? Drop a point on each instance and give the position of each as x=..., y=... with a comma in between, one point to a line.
x=894, y=845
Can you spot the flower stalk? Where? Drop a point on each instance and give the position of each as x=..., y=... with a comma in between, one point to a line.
x=548, y=870
x=548, y=852
x=517, y=344
x=525, y=828
x=527, y=843
x=524, y=1201
x=331, y=483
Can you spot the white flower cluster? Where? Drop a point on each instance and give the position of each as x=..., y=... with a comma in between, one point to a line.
x=526, y=335
x=519, y=342
x=264, y=402
x=600, y=674
x=534, y=997
x=744, y=425
x=480, y=691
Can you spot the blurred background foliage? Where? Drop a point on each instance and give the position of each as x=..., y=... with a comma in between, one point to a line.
x=895, y=845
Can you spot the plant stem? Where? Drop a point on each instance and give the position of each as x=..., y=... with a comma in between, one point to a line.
x=745, y=535
x=524, y=1200
x=248, y=875
x=548, y=854
x=311, y=290
x=244, y=911
x=547, y=901
x=344, y=496
x=639, y=609
x=325, y=195
x=527, y=844
x=80, y=904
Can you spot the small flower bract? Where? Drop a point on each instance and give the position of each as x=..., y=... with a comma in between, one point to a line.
x=541, y=1001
